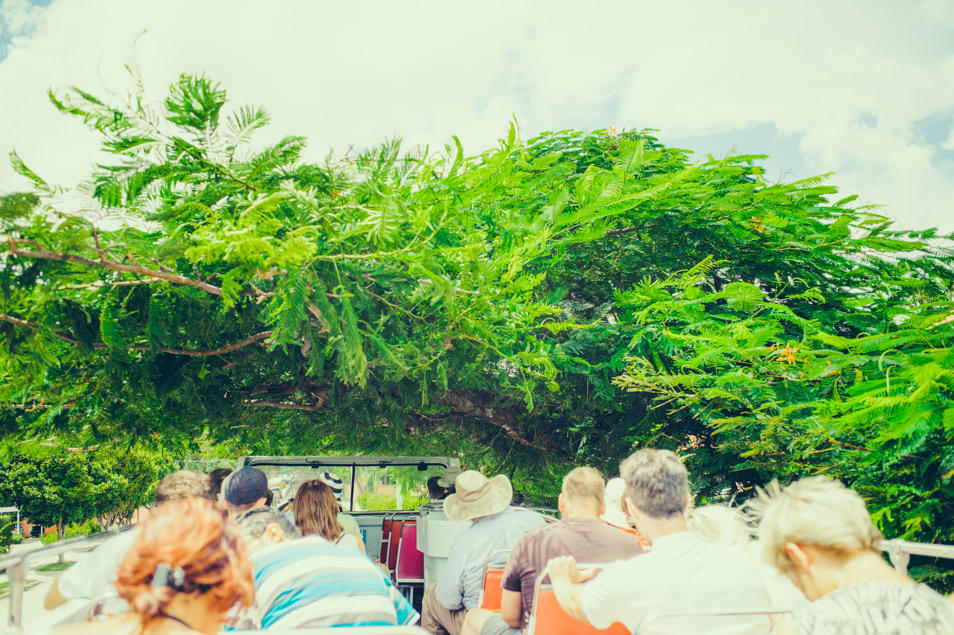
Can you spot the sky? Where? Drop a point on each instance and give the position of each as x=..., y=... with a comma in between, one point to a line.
x=861, y=89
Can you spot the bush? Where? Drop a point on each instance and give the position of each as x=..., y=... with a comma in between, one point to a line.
x=87, y=528
x=72, y=531
x=6, y=533
x=386, y=502
x=377, y=502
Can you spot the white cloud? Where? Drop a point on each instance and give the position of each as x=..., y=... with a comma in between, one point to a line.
x=17, y=17
x=848, y=79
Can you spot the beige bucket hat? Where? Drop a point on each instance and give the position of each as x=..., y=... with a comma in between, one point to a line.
x=478, y=496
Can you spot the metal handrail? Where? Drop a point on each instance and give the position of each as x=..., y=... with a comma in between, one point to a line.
x=656, y=615
x=16, y=567
x=900, y=552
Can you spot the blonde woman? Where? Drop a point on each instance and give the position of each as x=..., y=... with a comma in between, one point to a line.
x=818, y=533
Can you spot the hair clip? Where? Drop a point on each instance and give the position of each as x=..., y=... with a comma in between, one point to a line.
x=165, y=575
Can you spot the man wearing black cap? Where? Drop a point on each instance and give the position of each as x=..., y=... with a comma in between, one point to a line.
x=245, y=489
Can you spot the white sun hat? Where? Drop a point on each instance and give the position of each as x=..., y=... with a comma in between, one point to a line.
x=478, y=496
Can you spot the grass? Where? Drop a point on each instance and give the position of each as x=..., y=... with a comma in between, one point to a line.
x=5, y=586
x=56, y=566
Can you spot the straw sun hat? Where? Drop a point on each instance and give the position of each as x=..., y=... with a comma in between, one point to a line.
x=478, y=496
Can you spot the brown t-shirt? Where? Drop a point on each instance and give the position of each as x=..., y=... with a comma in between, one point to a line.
x=586, y=539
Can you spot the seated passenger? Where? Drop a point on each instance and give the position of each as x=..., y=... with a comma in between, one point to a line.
x=246, y=488
x=310, y=583
x=580, y=533
x=496, y=526
x=348, y=523
x=685, y=571
x=819, y=533
x=316, y=514
x=435, y=492
x=218, y=477
x=91, y=578
x=615, y=515
x=187, y=568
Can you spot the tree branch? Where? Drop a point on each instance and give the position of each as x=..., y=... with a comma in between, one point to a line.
x=482, y=406
x=251, y=339
x=320, y=394
x=46, y=254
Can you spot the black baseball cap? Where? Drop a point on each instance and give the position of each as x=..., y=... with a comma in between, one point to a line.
x=246, y=485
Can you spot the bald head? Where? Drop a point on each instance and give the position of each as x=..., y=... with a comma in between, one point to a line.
x=582, y=494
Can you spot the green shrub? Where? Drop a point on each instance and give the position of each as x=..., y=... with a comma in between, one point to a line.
x=86, y=528
x=385, y=502
x=377, y=502
x=83, y=529
x=6, y=533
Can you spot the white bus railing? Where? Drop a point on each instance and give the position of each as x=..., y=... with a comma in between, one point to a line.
x=756, y=611
x=900, y=552
x=16, y=568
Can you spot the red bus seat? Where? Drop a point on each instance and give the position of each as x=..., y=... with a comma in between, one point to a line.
x=409, y=572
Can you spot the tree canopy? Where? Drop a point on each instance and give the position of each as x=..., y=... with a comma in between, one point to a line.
x=547, y=302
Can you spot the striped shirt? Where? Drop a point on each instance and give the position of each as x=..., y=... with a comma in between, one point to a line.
x=877, y=608
x=309, y=582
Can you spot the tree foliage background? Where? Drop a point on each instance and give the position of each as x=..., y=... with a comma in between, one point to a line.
x=58, y=488
x=548, y=302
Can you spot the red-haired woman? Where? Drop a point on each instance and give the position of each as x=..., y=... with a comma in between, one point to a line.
x=186, y=570
x=316, y=514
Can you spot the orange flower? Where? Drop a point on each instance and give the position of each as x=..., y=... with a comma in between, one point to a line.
x=788, y=353
x=759, y=227
x=611, y=130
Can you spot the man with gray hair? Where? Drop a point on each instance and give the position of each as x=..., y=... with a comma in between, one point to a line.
x=310, y=583
x=685, y=572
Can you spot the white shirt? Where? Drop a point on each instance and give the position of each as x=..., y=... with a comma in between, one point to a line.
x=684, y=571
x=92, y=577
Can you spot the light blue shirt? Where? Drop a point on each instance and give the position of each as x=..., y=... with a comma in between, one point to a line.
x=463, y=574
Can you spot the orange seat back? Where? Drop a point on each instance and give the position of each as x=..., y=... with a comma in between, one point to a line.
x=493, y=591
x=549, y=618
x=641, y=538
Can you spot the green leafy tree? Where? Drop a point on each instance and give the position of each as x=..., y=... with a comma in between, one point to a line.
x=140, y=469
x=549, y=302
x=61, y=489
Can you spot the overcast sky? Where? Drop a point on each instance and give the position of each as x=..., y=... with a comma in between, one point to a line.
x=864, y=89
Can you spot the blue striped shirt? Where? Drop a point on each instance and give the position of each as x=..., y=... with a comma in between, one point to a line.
x=309, y=582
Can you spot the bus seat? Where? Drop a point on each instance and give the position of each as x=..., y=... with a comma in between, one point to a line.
x=409, y=572
x=632, y=531
x=385, y=538
x=393, y=538
x=491, y=593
